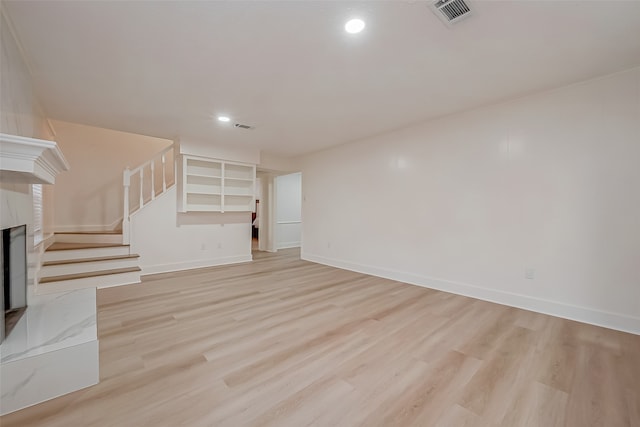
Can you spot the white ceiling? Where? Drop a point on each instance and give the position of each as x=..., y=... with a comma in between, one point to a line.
x=288, y=68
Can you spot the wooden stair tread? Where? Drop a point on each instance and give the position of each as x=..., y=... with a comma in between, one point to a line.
x=89, y=232
x=65, y=246
x=88, y=274
x=78, y=260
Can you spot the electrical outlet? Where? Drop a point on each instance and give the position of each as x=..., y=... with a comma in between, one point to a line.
x=529, y=273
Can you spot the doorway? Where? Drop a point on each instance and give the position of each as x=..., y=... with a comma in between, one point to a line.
x=277, y=222
x=288, y=211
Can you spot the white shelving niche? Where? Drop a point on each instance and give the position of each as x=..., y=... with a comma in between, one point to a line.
x=212, y=185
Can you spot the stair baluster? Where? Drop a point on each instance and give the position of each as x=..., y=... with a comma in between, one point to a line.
x=128, y=210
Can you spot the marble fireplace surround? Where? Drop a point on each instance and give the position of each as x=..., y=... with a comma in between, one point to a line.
x=53, y=348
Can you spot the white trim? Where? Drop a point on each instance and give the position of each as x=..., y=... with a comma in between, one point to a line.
x=287, y=245
x=592, y=316
x=81, y=228
x=38, y=225
x=30, y=160
x=48, y=240
x=288, y=222
x=114, y=224
x=189, y=265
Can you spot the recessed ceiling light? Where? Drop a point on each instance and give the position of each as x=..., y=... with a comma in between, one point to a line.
x=354, y=26
x=224, y=119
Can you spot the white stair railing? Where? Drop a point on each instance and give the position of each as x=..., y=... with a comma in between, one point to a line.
x=166, y=168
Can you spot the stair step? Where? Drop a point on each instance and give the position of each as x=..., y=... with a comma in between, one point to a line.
x=82, y=265
x=98, y=279
x=67, y=246
x=64, y=251
x=90, y=232
x=88, y=274
x=112, y=237
x=78, y=260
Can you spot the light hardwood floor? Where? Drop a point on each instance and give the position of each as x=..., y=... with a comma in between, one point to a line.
x=284, y=342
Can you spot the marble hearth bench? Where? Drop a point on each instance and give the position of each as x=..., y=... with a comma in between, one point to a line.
x=52, y=350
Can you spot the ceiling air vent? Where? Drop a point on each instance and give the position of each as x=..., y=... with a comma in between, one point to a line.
x=451, y=11
x=241, y=126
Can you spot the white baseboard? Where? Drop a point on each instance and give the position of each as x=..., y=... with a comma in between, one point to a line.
x=592, y=316
x=189, y=265
x=96, y=227
x=287, y=245
x=47, y=241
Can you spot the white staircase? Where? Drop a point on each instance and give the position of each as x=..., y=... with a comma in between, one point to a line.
x=90, y=262
x=102, y=259
x=144, y=183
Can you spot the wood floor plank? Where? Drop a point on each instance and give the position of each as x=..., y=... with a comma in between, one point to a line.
x=537, y=405
x=459, y=417
x=284, y=342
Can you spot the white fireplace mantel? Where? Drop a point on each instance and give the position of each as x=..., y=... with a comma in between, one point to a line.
x=30, y=160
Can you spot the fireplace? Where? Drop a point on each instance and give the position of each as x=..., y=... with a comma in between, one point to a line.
x=14, y=277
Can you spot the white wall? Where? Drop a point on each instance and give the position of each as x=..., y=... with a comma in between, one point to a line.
x=288, y=210
x=170, y=241
x=469, y=202
x=21, y=115
x=90, y=195
x=19, y=108
x=278, y=164
x=266, y=212
x=217, y=151
x=258, y=188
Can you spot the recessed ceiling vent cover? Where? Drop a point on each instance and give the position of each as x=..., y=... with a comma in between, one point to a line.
x=241, y=126
x=451, y=11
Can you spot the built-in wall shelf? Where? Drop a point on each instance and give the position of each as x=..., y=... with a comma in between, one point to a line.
x=212, y=185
